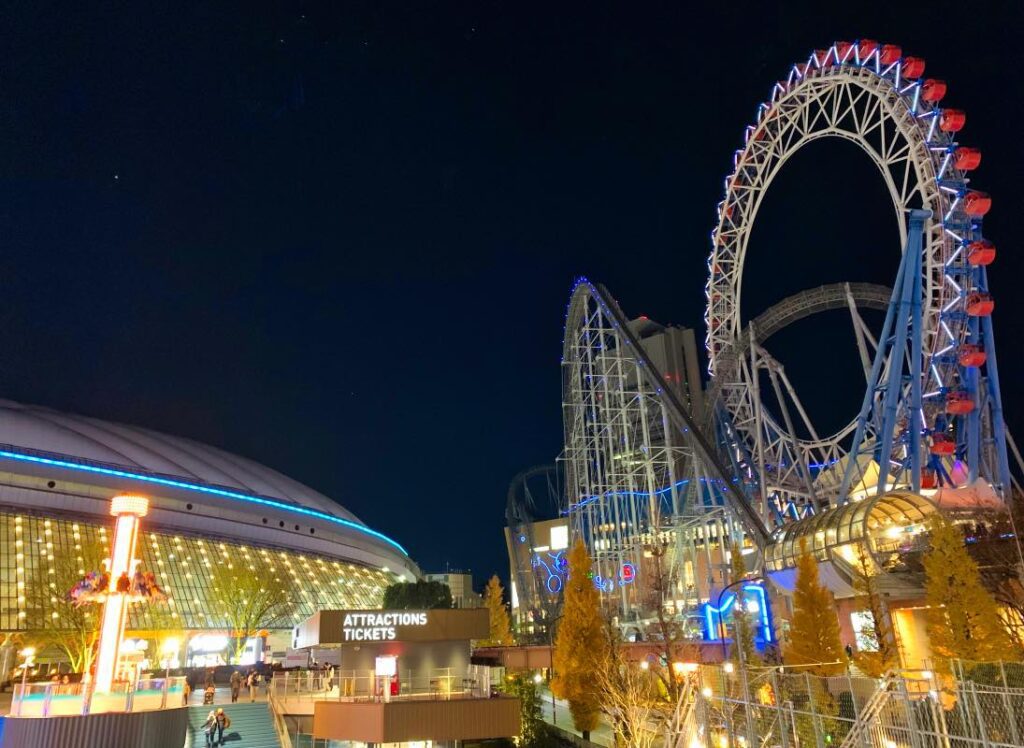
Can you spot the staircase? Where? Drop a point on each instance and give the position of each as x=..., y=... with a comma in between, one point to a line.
x=860, y=732
x=252, y=726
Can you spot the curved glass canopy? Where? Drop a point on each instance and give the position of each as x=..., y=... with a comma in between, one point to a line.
x=879, y=524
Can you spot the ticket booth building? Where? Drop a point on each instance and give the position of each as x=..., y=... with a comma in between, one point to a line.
x=406, y=676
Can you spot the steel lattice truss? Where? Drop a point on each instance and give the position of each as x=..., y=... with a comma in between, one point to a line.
x=861, y=93
x=626, y=465
x=638, y=464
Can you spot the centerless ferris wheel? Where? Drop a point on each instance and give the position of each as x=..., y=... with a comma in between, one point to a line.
x=644, y=459
x=932, y=415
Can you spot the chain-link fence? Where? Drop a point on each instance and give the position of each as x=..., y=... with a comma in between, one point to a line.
x=764, y=708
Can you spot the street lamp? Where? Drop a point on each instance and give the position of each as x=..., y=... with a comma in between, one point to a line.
x=170, y=648
x=29, y=653
x=551, y=669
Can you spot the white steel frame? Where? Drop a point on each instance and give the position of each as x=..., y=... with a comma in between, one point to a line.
x=871, y=105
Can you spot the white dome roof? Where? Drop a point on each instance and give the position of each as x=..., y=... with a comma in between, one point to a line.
x=45, y=430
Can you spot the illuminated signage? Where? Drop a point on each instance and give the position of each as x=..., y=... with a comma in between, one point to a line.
x=377, y=627
x=755, y=601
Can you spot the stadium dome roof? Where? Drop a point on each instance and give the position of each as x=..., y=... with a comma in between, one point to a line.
x=42, y=429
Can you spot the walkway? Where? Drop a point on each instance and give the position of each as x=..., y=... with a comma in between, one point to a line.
x=563, y=719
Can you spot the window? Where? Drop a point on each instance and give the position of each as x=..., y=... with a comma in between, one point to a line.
x=559, y=537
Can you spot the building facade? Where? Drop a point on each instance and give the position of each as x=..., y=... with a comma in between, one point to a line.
x=208, y=510
x=461, y=585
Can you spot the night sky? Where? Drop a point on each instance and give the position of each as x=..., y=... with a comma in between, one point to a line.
x=339, y=238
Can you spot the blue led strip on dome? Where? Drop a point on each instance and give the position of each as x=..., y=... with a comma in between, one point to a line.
x=201, y=489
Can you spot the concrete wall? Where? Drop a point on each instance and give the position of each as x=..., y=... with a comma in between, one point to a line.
x=401, y=721
x=157, y=729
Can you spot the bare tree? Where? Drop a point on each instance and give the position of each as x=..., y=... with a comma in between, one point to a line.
x=248, y=602
x=666, y=630
x=630, y=699
x=53, y=618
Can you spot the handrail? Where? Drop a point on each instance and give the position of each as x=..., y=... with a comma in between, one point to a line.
x=277, y=717
x=868, y=715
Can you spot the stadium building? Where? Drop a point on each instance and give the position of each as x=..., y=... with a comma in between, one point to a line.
x=207, y=508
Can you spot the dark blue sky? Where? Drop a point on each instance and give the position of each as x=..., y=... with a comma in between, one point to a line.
x=339, y=237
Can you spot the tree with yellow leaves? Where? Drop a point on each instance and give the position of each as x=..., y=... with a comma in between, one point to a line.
x=494, y=601
x=963, y=618
x=581, y=645
x=813, y=643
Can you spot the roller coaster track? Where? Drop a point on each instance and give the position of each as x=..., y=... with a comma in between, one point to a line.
x=682, y=419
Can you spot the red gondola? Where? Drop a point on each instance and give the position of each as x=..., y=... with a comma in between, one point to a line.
x=842, y=49
x=913, y=67
x=866, y=48
x=981, y=252
x=933, y=90
x=928, y=479
x=890, y=54
x=980, y=304
x=977, y=204
x=952, y=120
x=966, y=159
x=971, y=354
x=824, y=57
x=959, y=402
x=942, y=445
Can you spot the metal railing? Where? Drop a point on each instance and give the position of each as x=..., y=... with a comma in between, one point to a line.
x=277, y=713
x=363, y=685
x=64, y=699
x=911, y=709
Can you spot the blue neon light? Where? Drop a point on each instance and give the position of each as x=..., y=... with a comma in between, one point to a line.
x=557, y=568
x=200, y=489
x=765, y=619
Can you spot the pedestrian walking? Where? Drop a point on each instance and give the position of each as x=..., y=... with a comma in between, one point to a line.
x=236, y=685
x=209, y=728
x=221, y=722
x=250, y=682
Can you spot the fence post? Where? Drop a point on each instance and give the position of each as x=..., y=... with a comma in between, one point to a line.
x=819, y=728
x=47, y=700
x=779, y=712
x=87, y=691
x=982, y=728
x=751, y=728
x=163, y=694
x=908, y=709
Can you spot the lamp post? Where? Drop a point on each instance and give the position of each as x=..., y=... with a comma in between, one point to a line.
x=551, y=669
x=29, y=654
x=170, y=647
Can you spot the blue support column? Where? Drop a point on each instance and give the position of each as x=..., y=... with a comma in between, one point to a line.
x=914, y=424
x=908, y=325
x=902, y=325
x=996, y=401
x=971, y=378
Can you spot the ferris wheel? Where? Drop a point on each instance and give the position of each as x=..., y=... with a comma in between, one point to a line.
x=932, y=415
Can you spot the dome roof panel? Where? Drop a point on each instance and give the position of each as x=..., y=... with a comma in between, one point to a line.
x=131, y=447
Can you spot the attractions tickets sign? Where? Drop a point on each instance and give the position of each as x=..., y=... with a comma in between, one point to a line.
x=366, y=627
x=376, y=627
